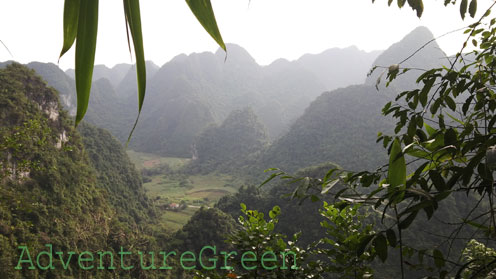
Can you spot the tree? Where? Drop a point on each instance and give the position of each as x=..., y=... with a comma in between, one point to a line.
x=445, y=138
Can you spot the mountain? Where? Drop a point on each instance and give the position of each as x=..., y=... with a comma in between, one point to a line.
x=57, y=79
x=127, y=87
x=115, y=74
x=193, y=91
x=426, y=55
x=75, y=191
x=341, y=126
x=339, y=67
x=232, y=145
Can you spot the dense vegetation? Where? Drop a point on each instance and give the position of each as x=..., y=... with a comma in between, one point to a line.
x=345, y=206
x=56, y=189
x=189, y=93
x=231, y=146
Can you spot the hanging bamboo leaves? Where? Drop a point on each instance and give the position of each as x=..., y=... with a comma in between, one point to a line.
x=81, y=26
x=85, y=53
x=71, y=15
x=203, y=11
x=133, y=22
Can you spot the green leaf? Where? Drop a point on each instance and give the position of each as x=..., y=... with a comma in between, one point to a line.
x=425, y=91
x=397, y=166
x=272, y=176
x=472, y=9
x=408, y=220
x=437, y=180
x=380, y=245
x=133, y=20
x=85, y=54
x=71, y=15
x=438, y=258
x=391, y=237
x=417, y=5
x=450, y=137
x=363, y=244
x=401, y=3
x=430, y=131
x=450, y=102
x=329, y=185
x=463, y=8
x=203, y=11
x=455, y=119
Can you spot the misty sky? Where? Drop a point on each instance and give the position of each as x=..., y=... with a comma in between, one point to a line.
x=268, y=29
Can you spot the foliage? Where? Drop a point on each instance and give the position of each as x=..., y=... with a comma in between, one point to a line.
x=116, y=174
x=445, y=131
x=257, y=235
x=16, y=148
x=418, y=6
x=208, y=226
x=64, y=200
x=480, y=261
x=345, y=233
x=239, y=139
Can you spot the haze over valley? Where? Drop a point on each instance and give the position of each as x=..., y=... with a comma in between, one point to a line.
x=210, y=125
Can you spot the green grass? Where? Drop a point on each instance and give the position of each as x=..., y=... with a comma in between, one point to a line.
x=203, y=190
x=147, y=160
x=195, y=190
x=176, y=220
x=211, y=186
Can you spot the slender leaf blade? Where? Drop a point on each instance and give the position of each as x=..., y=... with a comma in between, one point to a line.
x=71, y=16
x=133, y=21
x=133, y=17
x=203, y=11
x=85, y=54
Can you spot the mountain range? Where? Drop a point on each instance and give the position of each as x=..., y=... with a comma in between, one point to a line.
x=192, y=92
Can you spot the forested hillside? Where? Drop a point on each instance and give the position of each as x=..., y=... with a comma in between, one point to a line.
x=231, y=146
x=77, y=192
x=341, y=126
x=192, y=92
x=209, y=128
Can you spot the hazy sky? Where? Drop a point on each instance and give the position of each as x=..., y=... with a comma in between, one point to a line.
x=268, y=29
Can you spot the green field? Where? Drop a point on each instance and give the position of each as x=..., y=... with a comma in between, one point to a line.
x=176, y=220
x=177, y=187
x=148, y=160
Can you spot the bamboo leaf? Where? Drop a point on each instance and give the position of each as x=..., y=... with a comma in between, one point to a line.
x=85, y=53
x=203, y=11
x=133, y=21
x=71, y=15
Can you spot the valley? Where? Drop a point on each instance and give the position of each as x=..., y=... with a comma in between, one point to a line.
x=166, y=183
x=310, y=157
